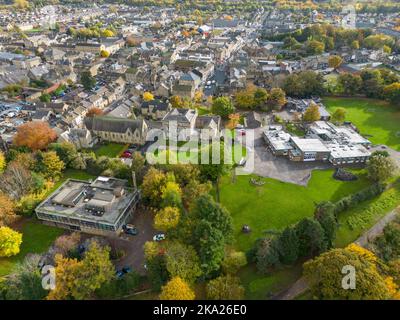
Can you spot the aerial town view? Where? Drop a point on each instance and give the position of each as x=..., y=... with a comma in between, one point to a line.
x=199, y=150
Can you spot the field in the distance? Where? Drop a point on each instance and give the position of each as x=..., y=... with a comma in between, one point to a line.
x=377, y=120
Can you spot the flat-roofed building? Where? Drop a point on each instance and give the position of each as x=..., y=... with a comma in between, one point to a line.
x=277, y=140
x=100, y=207
x=305, y=149
x=324, y=141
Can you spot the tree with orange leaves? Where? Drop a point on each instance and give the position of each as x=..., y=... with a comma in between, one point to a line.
x=35, y=135
x=92, y=112
x=234, y=119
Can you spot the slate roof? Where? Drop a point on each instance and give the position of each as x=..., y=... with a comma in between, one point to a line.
x=111, y=124
x=180, y=115
x=203, y=122
x=158, y=105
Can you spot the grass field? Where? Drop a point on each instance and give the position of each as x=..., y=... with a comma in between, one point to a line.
x=277, y=204
x=261, y=287
x=188, y=152
x=36, y=238
x=112, y=150
x=378, y=120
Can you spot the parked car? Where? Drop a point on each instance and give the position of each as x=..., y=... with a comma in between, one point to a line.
x=242, y=162
x=126, y=154
x=120, y=273
x=130, y=229
x=159, y=237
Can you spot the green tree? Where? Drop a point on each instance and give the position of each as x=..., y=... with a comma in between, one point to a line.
x=87, y=80
x=288, y=246
x=311, y=237
x=277, y=98
x=233, y=261
x=380, y=168
x=225, y=288
x=222, y=106
x=349, y=83
x=138, y=166
x=325, y=215
x=392, y=93
x=45, y=97
x=182, y=261
x=372, y=83
x=314, y=47
x=267, y=254
x=25, y=283
x=210, y=243
x=65, y=151
x=260, y=98
x=339, y=115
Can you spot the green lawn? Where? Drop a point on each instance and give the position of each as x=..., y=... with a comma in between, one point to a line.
x=261, y=287
x=277, y=204
x=192, y=155
x=112, y=150
x=378, y=120
x=36, y=238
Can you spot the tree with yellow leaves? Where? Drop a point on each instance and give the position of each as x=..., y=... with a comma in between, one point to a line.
x=335, y=61
x=312, y=113
x=167, y=218
x=3, y=162
x=148, y=96
x=177, y=289
x=324, y=275
x=21, y=4
x=10, y=242
x=104, y=53
x=198, y=96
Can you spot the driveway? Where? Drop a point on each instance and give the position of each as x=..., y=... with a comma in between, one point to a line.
x=265, y=164
x=133, y=245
